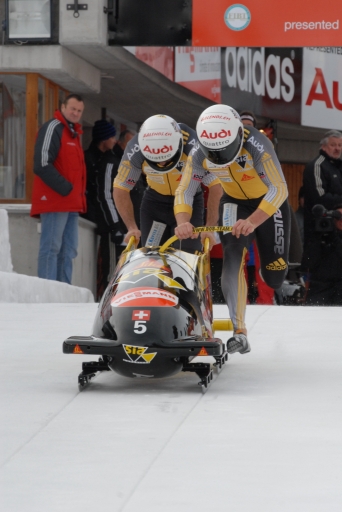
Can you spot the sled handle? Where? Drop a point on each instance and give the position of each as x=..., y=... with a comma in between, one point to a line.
x=206, y=246
x=223, y=324
x=132, y=241
x=200, y=229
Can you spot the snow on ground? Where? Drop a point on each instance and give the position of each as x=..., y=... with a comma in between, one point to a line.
x=266, y=437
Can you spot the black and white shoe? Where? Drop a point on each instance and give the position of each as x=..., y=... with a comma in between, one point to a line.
x=238, y=343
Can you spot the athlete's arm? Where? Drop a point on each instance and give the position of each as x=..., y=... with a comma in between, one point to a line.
x=192, y=175
x=128, y=175
x=247, y=226
x=214, y=196
x=184, y=227
x=268, y=167
x=124, y=206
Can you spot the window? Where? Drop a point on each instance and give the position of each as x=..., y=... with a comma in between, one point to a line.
x=12, y=136
x=27, y=101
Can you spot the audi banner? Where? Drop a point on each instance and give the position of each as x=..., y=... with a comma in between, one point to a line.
x=322, y=87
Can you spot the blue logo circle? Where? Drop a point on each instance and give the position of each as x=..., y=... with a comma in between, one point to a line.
x=237, y=17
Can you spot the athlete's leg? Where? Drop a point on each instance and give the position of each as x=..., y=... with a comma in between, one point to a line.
x=233, y=280
x=273, y=239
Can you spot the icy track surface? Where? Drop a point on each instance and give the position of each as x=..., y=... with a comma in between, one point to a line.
x=266, y=437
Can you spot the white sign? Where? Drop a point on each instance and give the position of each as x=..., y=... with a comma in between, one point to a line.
x=192, y=63
x=199, y=69
x=322, y=87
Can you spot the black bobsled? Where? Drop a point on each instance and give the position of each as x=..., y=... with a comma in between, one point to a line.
x=154, y=318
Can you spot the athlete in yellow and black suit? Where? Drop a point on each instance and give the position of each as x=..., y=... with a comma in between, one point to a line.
x=157, y=219
x=254, y=202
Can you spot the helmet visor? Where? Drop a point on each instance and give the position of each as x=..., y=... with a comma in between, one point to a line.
x=227, y=155
x=167, y=165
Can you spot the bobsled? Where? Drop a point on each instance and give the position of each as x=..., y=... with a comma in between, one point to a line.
x=155, y=318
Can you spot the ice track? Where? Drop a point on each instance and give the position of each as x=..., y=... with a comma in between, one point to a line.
x=266, y=437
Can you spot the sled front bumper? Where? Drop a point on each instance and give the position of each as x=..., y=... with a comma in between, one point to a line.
x=188, y=347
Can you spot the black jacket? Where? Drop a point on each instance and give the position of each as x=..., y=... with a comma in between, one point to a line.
x=101, y=171
x=322, y=181
x=323, y=256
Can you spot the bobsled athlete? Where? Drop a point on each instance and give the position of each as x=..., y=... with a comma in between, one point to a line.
x=254, y=203
x=160, y=151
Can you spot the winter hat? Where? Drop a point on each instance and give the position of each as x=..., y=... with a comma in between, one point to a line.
x=102, y=130
x=248, y=114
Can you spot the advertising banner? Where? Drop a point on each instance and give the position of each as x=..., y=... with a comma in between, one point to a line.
x=266, y=23
x=264, y=80
x=160, y=58
x=322, y=87
x=199, y=69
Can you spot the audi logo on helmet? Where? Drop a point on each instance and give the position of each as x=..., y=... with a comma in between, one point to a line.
x=220, y=134
x=161, y=143
x=216, y=135
x=157, y=151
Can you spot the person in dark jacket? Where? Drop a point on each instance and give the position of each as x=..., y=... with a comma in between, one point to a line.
x=322, y=179
x=299, y=213
x=322, y=257
x=102, y=165
x=59, y=189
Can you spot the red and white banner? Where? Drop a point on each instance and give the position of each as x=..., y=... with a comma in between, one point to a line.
x=322, y=87
x=266, y=23
x=159, y=58
x=199, y=69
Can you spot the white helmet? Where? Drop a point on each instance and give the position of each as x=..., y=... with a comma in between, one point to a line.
x=161, y=142
x=220, y=134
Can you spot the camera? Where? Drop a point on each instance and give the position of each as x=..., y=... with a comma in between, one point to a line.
x=324, y=219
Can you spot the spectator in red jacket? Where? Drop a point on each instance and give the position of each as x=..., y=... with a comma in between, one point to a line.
x=59, y=189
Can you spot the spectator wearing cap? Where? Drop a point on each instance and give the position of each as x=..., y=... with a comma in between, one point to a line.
x=102, y=165
x=248, y=118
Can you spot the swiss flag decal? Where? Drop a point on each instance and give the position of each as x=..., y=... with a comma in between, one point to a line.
x=141, y=314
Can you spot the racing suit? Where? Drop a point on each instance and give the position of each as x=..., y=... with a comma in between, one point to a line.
x=157, y=220
x=254, y=180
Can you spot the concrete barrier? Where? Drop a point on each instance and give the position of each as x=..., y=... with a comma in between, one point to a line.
x=16, y=287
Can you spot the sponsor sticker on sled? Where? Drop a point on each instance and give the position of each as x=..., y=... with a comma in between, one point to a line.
x=138, y=354
x=145, y=297
x=155, y=234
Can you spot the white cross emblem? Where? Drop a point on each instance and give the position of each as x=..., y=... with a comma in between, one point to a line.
x=141, y=314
